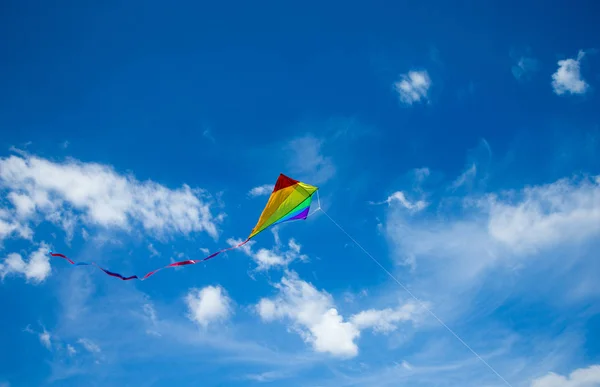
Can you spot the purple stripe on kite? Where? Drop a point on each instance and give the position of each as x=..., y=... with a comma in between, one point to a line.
x=301, y=215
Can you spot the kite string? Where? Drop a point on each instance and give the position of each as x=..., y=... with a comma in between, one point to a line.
x=411, y=294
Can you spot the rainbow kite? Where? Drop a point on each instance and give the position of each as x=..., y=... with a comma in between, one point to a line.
x=290, y=200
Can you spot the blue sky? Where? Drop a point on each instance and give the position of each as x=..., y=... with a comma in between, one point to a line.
x=459, y=144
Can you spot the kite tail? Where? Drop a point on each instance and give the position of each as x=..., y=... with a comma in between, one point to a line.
x=174, y=264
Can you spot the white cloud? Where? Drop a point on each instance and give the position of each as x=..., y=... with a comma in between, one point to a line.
x=543, y=216
x=37, y=267
x=152, y=320
x=261, y=190
x=45, y=339
x=153, y=251
x=270, y=258
x=413, y=86
x=209, y=304
x=9, y=227
x=314, y=316
x=400, y=197
x=421, y=174
x=268, y=376
x=71, y=350
x=385, y=320
x=307, y=160
x=567, y=78
x=89, y=345
x=465, y=178
x=96, y=194
x=582, y=377
x=506, y=230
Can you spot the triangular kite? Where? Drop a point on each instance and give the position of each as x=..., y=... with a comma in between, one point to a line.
x=290, y=200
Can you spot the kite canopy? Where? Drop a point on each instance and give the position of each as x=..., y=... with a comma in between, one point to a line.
x=290, y=200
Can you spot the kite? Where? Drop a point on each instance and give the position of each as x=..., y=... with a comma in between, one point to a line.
x=290, y=200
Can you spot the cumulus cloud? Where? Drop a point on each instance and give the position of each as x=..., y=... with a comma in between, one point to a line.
x=314, y=317
x=95, y=194
x=45, y=339
x=582, y=377
x=261, y=190
x=208, y=305
x=9, y=226
x=279, y=255
x=567, y=78
x=35, y=269
x=413, y=87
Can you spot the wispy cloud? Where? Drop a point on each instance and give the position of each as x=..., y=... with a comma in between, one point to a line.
x=385, y=320
x=207, y=134
x=524, y=67
x=465, y=178
x=421, y=174
x=153, y=251
x=45, y=339
x=413, y=87
x=89, y=345
x=566, y=211
x=307, y=160
x=567, y=78
x=533, y=218
x=439, y=362
x=164, y=331
x=44, y=336
x=400, y=197
x=261, y=190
